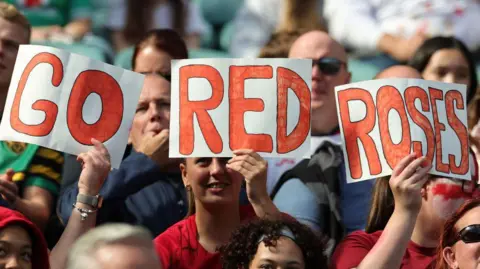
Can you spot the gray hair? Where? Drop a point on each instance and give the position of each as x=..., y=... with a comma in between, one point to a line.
x=81, y=255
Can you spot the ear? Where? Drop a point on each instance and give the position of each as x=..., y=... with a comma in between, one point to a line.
x=349, y=77
x=449, y=257
x=183, y=170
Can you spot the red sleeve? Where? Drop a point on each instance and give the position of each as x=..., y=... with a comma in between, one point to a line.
x=351, y=251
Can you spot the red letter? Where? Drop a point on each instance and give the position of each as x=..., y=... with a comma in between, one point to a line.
x=353, y=131
x=459, y=129
x=239, y=105
x=188, y=108
x=435, y=95
x=101, y=83
x=286, y=79
x=411, y=94
x=49, y=107
x=388, y=98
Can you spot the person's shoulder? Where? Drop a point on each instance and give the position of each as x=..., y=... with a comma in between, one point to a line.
x=174, y=234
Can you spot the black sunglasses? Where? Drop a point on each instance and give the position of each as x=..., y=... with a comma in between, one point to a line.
x=469, y=234
x=328, y=66
x=167, y=77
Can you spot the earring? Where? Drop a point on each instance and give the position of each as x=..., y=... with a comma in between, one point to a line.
x=188, y=187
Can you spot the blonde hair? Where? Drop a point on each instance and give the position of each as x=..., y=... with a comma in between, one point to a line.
x=12, y=14
x=279, y=44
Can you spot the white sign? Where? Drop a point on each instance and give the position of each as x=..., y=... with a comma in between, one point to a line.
x=382, y=121
x=61, y=100
x=219, y=105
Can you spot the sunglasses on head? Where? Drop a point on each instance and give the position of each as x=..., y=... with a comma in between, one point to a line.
x=167, y=77
x=469, y=234
x=328, y=66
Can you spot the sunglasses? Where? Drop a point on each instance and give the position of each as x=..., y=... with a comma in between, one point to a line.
x=167, y=77
x=469, y=234
x=328, y=66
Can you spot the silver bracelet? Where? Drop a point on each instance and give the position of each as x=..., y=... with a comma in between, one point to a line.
x=84, y=213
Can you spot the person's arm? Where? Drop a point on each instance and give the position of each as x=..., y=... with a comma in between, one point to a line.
x=135, y=172
x=406, y=183
x=36, y=204
x=78, y=28
x=252, y=28
x=303, y=206
x=254, y=169
x=96, y=165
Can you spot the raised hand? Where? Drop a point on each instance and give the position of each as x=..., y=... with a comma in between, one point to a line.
x=156, y=147
x=95, y=169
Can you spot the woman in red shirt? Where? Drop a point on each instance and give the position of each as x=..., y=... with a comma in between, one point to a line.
x=213, y=186
x=422, y=203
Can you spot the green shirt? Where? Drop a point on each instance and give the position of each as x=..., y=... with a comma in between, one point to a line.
x=33, y=165
x=53, y=12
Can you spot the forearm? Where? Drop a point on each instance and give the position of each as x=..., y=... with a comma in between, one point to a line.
x=388, y=44
x=38, y=213
x=78, y=28
x=390, y=248
x=76, y=227
x=265, y=208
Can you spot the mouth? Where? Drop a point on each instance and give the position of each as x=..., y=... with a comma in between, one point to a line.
x=217, y=185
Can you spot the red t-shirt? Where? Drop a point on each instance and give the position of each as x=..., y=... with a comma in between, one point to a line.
x=351, y=251
x=178, y=247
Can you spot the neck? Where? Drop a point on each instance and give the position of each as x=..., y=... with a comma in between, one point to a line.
x=321, y=130
x=425, y=234
x=216, y=224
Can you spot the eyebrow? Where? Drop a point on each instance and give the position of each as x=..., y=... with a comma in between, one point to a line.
x=271, y=261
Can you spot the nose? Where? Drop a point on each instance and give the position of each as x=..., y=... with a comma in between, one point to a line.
x=12, y=262
x=155, y=113
x=316, y=73
x=449, y=78
x=217, y=167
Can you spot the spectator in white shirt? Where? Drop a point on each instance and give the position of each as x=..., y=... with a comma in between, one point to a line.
x=398, y=27
x=257, y=20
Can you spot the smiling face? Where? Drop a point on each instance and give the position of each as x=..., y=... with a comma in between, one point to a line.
x=284, y=255
x=153, y=109
x=211, y=181
x=464, y=255
x=15, y=248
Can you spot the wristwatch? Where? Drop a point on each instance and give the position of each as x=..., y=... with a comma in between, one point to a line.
x=94, y=201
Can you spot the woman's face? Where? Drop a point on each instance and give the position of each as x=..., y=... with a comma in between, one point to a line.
x=448, y=65
x=211, y=181
x=446, y=195
x=464, y=255
x=152, y=60
x=15, y=248
x=284, y=255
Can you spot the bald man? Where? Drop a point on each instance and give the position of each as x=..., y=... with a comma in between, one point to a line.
x=399, y=71
x=336, y=202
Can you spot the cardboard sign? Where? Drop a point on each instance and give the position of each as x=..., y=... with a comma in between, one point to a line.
x=382, y=121
x=61, y=100
x=219, y=105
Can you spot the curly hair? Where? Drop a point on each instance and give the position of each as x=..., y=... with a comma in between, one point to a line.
x=243, y=244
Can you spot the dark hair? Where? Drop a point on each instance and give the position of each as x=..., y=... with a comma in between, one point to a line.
x=243, y=244
x=279, y=44
x=449, y=232
x=423, y=54
x=382, y=205
x=165, y=40
x=139, y=18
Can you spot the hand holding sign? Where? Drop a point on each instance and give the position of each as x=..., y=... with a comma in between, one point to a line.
x=382, y=121
x=407, y=180
x=61, y=101
x=95, y=169
x=254, y=169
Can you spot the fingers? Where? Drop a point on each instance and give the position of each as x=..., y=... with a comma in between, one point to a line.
x=402, y=164
x=100, y=148
x=250, y=152
x=8, y=189
x=419, y=178
x=413, y=167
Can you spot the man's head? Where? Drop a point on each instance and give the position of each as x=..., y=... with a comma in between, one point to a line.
x=328, y=71
x=118, y=246
x=14, y=31
x=399, y=71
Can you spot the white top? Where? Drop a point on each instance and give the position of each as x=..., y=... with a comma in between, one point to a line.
x=358, y=24
x=254, y=24
x=162, y=17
